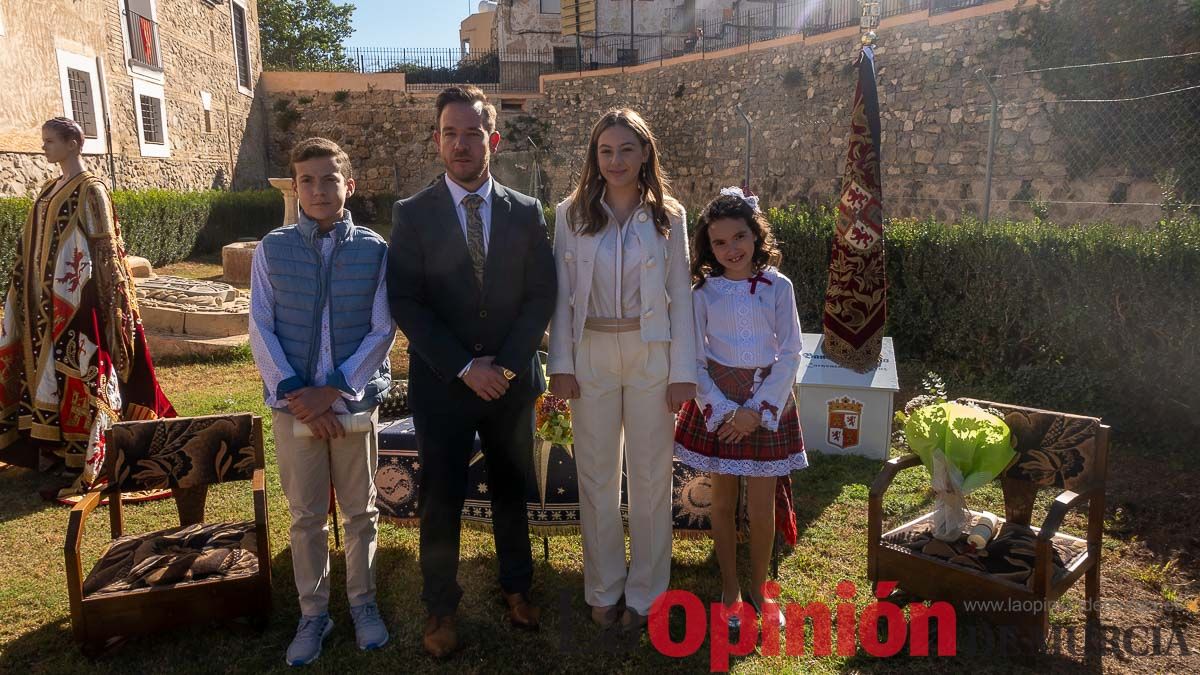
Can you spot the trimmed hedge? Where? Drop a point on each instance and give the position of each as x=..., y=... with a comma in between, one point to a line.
x=1100, y=320
x=164, y=226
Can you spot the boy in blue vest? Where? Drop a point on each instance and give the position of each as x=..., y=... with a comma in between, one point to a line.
x=320, y=331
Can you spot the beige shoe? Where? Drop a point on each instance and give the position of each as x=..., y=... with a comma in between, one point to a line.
x=606, y=616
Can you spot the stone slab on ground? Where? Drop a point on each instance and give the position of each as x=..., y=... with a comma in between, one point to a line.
x=194, y=308
x=167, y=344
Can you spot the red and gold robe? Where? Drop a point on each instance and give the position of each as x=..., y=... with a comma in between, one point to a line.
x=73, y=356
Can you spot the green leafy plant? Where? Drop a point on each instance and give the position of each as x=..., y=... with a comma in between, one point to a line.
x=974, y=442
x=1040, y=209
x=964, y=448
x=165, y=226
x=305, y=34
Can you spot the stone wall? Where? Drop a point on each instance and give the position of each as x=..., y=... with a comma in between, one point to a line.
x=798, y=94
x=195, y=40
x=935, y=116
x=386, y=131
x=521, y=26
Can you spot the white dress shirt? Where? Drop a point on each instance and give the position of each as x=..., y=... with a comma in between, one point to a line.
x=619, y=248
x=458, y=193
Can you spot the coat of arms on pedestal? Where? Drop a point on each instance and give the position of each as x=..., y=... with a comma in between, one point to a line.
x=845, y=415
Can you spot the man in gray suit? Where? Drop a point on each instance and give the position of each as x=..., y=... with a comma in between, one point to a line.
x=471, y=283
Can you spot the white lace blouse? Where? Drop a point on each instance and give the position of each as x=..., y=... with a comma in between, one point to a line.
x=741, y=329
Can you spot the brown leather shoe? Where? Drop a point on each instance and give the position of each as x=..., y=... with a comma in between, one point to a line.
x=440, y=638
x=521, y=612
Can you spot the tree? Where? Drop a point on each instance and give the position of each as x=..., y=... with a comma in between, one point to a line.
x=304, y=34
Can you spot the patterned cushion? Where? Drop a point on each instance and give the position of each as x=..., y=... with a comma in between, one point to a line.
x=180, y=452
x=1053, y=449
x=176, y=556
x=1009, y=555
x=394, y=403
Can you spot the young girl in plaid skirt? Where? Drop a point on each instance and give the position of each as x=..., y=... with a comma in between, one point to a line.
x=743, y=421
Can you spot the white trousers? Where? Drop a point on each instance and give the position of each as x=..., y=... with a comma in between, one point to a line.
x=623, y=387
x=306, y=467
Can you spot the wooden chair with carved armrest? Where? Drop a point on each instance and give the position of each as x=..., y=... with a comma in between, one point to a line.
x=1023, y=569
x=204, y=571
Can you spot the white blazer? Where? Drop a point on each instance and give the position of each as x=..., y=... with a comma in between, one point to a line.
x=666, y=291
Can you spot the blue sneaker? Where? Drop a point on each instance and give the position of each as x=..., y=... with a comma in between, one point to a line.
x=306, y=646
x=369, y=631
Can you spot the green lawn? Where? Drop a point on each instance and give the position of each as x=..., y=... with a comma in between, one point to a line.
x=1148, y=575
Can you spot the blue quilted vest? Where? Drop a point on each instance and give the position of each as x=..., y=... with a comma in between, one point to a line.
x=303, y=285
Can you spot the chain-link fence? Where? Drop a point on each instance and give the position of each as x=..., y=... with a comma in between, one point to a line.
x=1108, y=141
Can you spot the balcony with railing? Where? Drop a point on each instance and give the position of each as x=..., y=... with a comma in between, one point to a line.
x=143, y=41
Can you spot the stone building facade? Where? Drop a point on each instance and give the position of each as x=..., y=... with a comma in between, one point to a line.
x=166, y=91
x=476, y=32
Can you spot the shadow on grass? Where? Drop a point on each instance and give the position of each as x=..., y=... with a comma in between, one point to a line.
x=19, y=494
x=824, y=482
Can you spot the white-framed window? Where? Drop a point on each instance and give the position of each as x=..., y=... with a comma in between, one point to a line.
x=150, y=111
x=140, y=39
x=80, y=88
x=206, y=106
x=551, y=6
x=239, y=18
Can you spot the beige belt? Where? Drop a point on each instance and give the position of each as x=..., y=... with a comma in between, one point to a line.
x=612, y=325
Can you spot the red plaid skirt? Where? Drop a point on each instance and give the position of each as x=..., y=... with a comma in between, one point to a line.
x=762, y=453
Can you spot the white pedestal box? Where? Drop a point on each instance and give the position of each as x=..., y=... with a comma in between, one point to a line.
x=841, y=411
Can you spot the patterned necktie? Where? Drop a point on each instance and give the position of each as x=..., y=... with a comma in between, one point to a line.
x=475, y=234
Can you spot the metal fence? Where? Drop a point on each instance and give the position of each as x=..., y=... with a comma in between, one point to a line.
x=690, y=31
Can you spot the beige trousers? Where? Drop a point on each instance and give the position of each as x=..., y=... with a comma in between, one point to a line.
x=306, y=467
x=623, y=387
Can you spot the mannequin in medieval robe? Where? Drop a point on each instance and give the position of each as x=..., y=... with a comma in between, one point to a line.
x=73, y=356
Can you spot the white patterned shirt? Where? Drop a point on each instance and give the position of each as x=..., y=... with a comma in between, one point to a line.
x=741, y=329
x=272, y=363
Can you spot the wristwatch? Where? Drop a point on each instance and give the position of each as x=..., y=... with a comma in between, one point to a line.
x=508, y=374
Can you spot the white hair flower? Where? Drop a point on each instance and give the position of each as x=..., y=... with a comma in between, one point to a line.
x=737, y=192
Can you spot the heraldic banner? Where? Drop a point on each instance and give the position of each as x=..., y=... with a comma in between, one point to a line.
x=856, y=297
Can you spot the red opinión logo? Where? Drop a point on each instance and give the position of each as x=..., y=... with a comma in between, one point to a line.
x=865, y=628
